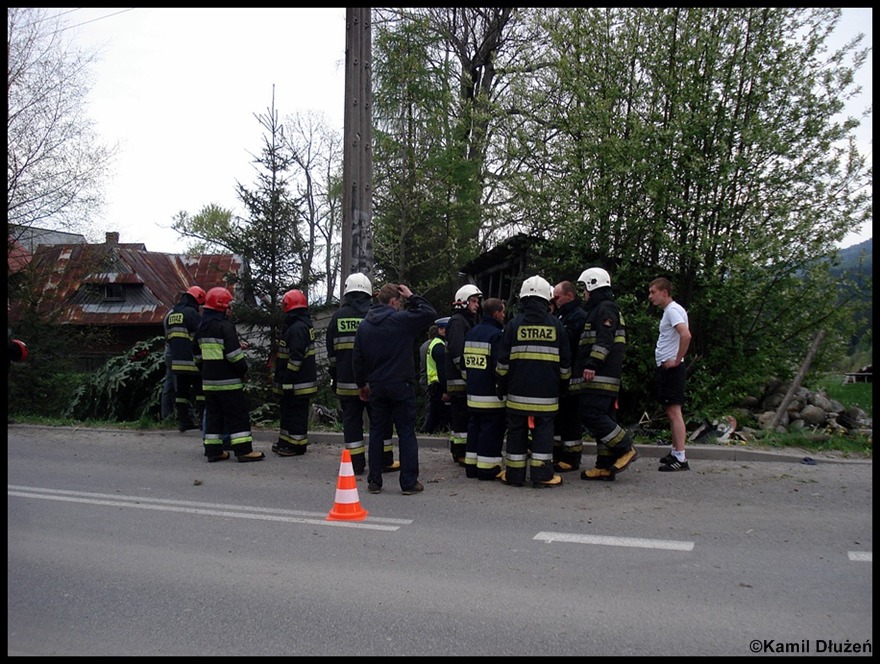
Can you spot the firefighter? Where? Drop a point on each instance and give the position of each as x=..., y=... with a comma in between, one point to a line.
x=464, y=316
x=568, y=429
x=356, y=299
x=600, y=365
x=296, y=378
x=534, y=366
x=218, y=352
x=486, y=427
x=180, y=326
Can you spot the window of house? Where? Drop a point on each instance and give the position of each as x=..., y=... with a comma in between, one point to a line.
x=114, y=293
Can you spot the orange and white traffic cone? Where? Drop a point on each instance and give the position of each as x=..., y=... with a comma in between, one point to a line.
x=347, y=506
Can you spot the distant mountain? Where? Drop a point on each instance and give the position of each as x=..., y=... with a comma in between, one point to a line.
x=857, y=258
x=856, y=264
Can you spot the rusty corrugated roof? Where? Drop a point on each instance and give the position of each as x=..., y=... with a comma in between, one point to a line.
x=122, y=284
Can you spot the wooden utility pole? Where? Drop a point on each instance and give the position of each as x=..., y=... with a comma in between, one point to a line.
x=357, y=167
x=796, y=383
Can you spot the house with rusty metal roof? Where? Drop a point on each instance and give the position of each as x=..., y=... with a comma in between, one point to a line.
x=121, y=288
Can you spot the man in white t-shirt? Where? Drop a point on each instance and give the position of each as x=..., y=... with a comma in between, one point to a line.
x=672, y=346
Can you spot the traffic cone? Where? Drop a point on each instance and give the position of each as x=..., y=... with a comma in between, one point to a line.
x=347, y=506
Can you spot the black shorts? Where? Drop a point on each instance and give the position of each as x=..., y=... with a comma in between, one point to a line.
x=670, y=385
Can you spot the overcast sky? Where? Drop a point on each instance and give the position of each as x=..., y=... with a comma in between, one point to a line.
x=177, y=90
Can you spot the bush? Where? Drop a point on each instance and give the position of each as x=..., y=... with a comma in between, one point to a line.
x=126, y=388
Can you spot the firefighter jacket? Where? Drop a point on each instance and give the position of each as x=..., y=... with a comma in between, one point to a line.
x=480, y=359
x=384, y=343
x=217, y=351
x=572, y=315
x=534, y=360
x=340, y=342
x=602, y=346
x=295, y=366
x=180, y=326
x=460, y=323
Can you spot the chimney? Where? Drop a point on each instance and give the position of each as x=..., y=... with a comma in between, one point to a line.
x=113, y=238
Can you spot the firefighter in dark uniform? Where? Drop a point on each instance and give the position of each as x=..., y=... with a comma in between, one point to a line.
x=600, y=363
x=180, y=327
x=464, y=317
x=217, y=351
x=534, y=365
x=356, y=300
x=296, y=374
x=568, y=429
x=486, y=426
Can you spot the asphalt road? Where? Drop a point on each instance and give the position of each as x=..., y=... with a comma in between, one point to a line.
x=124, y=543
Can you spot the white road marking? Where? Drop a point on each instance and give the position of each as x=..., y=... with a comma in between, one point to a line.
x=206, y=509
x=637, y=542
x=860, y=556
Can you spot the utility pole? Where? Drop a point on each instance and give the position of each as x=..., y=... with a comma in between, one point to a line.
x=357, y=167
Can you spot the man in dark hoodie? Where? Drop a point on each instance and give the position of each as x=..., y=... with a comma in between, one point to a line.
x=356, y=299
x=384, y=372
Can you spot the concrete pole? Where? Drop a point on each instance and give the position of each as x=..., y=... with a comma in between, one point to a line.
x=357, y=168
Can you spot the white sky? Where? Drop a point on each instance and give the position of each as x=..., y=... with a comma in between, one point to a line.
x=177, y=89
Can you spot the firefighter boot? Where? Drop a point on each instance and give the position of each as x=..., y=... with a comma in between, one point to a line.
x=601, y=474
x=622, y=462
x=358, y=462
x=555, y=480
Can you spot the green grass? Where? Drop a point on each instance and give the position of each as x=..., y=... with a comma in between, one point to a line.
x=849, y=394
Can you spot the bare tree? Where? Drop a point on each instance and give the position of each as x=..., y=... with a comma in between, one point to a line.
x=317, y=156
x=55, y=166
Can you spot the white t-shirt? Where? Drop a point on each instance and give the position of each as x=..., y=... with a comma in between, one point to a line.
x=667, y=341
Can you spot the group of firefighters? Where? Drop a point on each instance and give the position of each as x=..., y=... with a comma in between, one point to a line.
x=537, y=382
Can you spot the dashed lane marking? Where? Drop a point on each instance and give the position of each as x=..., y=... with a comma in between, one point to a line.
x=860, y=556
x=603, y=540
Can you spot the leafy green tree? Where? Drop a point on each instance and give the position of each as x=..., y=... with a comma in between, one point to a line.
x=702, y=144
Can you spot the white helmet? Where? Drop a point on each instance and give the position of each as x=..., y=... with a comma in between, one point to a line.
x=536, y=287
x=593, y=278
x=358, y=282
x=465, y=292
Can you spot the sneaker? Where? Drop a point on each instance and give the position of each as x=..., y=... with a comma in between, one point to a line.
x=564, y=467
x=394, y=467
x=622, y=462
x=669, y=458
x=556, y=480
x=415, y=488
x=674, y=465
x=374, y=488
x=598, y=474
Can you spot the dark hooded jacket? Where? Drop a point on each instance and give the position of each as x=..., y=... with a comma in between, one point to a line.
x=384, y=345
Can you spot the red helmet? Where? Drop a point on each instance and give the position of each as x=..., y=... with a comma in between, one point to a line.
x=218, y=299
x=20, y=349
x=197, y=293
x=293, y=299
